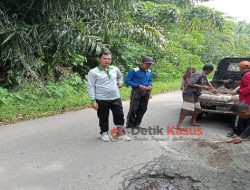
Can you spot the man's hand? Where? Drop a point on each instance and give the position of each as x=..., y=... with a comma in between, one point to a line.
x=149, y=88
x=213, y=90
x=119, y=85
x=205, y=87
x=143, y=88
x=95, y=106
x=234, y=92
x=237, y=140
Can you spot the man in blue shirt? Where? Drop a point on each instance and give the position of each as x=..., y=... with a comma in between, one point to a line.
x=140, y=79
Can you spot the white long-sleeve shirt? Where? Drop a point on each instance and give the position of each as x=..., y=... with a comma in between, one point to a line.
x=103, y=85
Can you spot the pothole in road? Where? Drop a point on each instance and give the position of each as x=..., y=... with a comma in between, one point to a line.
x=167, y=173
x=159, y=182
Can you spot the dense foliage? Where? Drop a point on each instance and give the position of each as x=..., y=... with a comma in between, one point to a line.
x=44, y=40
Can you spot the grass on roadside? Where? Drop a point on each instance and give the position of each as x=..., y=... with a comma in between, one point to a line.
x=30, y=104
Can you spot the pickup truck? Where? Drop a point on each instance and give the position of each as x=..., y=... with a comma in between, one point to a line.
x=226, y=78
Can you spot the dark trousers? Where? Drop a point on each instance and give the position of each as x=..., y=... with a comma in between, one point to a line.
x=246, y=132
x=240, y=125
x=138, y=107
x=103, y=113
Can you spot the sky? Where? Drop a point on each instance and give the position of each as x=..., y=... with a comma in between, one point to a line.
x=235, y=8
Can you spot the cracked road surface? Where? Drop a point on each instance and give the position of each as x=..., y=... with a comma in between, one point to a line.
x=64, y=152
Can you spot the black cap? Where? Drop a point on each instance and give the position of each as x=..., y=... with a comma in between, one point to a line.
x=208, y=67
x=147, y=59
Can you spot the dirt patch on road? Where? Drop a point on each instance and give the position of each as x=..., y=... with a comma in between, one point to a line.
x=220, y=159
x=206, y=143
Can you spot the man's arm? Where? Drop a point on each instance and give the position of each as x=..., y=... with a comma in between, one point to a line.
x=91, y=85
x=91, y=89
x=119, y=78
x=209, y=84
x=194, y=79
x=245, y=134
x=150, y=80
x=129, y=77
x=182, y=83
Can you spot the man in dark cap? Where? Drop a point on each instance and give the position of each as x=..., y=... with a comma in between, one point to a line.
x=140, y=79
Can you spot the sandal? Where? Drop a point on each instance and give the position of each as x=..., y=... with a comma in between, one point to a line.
x=195, y=125
x=182, y=128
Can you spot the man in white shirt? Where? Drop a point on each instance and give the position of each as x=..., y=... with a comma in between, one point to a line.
x=103, y=83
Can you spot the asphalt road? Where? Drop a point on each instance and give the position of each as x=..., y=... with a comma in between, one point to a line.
x=65, y=152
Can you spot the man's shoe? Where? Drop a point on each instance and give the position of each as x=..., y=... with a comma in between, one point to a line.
x=124, y=138
x=232, y=134
x=105, y=137
x=127, y=138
